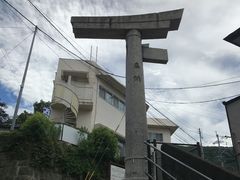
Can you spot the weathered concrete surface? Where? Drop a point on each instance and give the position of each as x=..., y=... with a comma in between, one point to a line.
x=151, y=26
x=232, y=109
x=133, y=29
x=155, y=55
x=136, y=125
x=20, y=170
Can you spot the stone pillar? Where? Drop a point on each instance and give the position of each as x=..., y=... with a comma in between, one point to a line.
x=136, y=125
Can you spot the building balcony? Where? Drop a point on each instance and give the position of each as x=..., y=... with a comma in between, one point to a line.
x=72, y=96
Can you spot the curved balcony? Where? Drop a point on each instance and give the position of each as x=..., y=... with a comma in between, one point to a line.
x=62, y=94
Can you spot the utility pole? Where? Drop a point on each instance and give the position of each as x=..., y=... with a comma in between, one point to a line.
x=219, y=150
x=218, y=141
x=201, y=146
x=23, y=82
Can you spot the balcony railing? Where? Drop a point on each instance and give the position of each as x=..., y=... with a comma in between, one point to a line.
x=64, y=95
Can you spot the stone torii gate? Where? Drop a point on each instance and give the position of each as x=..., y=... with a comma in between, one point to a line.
x=133, y=29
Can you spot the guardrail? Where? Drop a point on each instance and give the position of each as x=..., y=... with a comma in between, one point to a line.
x=152, y=162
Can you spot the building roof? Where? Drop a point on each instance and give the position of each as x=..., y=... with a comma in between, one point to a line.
x=234, y=37
x=163, y=123
x=231, y=101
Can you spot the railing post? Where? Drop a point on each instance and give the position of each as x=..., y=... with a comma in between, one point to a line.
x=157, y=160
x=199, y=149
x=149, y=156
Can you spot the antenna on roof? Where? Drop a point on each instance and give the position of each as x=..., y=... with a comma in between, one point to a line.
x=90, y=54
x=96, y=53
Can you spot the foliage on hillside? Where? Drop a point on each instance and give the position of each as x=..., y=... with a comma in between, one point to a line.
x=37, y=141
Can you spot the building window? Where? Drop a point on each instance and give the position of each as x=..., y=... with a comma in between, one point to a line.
x=111, y=99
x=157, y=136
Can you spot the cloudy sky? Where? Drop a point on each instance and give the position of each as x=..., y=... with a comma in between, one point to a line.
x=198, y=55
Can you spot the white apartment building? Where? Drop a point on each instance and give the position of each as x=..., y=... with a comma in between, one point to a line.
x=86, y=97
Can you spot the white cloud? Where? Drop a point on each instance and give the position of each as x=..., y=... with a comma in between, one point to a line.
x=197, y=53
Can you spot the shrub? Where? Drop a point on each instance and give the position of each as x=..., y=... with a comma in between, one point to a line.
x=37, y=141
x=39, y=128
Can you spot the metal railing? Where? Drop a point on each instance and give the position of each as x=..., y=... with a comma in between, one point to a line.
x=152, y=162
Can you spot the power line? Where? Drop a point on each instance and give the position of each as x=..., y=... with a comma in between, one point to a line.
x=70, y=52
x=19, y=12
x=66, y=49
x=18, y=44
x=157, y=121
x=178, y=124
x=51, y=23
x=194, y=102
x=169, y=118
x=11, y=27
x=56, y=27
x=194, y=87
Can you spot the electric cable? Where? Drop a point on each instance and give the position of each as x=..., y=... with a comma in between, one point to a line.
x=195, y=102
x=19, y=12
x=193, y=87
x=169, y=118
x=11, y=27
x=48, y=20
x=157, y=121
x=57, y=29
x=17, y=45
x=109, y=73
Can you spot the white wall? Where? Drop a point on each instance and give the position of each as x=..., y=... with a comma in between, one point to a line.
x=165, y=132
x=107, y=114
x=101, y=112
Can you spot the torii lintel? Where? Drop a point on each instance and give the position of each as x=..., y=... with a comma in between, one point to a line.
x=151, y=26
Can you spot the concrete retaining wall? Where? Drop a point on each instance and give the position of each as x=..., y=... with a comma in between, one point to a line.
x=20, y=170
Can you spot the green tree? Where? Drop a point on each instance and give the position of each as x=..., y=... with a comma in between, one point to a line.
x=39, y=128
x=3, y=115
x=104, y=144
x=92, y=155
x=38, y=106
x=23, y=117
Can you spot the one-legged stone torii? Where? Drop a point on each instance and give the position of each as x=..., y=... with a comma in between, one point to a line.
x=133, y=29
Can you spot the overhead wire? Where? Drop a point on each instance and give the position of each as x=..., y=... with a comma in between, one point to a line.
x=192, y=87
x=120, y=76
x=54, y=26
x=157, y=121
x=19, y=12
x=11, y=27
x=169, y=119
x=195, y=102
x=102, y=70
x=174, y=117
x=50, y=22
x=17, y=45
x=80, y=57
x=185, y=125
